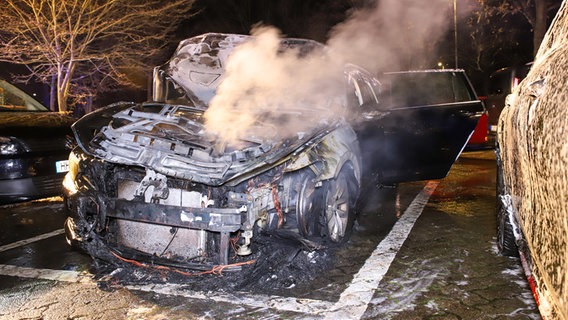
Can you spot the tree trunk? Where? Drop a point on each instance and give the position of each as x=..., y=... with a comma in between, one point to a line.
x=539, y=24
x=52, y=94
x=65, y=73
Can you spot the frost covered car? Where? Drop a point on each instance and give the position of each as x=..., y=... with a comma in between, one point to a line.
x=34, y=147
x=532, y=164
x=151, y=180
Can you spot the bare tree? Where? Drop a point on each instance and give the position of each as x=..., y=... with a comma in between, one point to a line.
x=538, y=14
x=73, y=44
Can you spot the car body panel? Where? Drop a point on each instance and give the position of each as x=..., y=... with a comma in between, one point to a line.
x=430, y=115
x=533, y=161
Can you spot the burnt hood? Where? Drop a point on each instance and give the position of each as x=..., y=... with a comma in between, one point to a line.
x=197, y=67
x=172, y=140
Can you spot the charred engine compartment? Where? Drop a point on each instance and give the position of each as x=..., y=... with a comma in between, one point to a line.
x=131, y=211
x=158, y=179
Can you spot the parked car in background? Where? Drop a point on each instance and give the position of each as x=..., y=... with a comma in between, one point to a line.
x=501, y=83
x=532, y=166
x=34, y=147
x=149, y=181
x=480, y=137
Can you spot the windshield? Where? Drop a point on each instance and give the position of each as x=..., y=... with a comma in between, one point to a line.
x=14, y=99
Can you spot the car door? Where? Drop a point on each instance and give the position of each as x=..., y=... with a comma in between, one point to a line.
x=420, y=127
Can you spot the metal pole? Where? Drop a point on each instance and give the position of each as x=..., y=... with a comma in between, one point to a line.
x=455, y=34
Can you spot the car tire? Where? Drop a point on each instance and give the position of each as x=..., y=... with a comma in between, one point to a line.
x=339, y=199
x=327, y=213
x=308, y=204
x=506, y=242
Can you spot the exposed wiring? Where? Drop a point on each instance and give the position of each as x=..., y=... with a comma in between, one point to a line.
x=216, y=270
x=277, y=206
x=234, y=241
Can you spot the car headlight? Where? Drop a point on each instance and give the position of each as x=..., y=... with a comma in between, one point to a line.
x=69, y=181
x=11, y=145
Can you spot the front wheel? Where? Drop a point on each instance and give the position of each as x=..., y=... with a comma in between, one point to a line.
x=340, y=195
x=506, y=242
x=326, y=213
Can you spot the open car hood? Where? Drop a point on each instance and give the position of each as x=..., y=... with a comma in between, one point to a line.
x=169, y=135
x=172, y=140
x=197, y=67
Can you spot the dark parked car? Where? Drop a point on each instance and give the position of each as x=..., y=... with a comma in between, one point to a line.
x=34, y=147
x=150, y=180
x=532, y=190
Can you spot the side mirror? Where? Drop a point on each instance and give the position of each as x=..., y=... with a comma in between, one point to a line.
x=158, y=83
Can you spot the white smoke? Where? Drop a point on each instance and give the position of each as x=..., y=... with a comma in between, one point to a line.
x=393, y=34
x=288, y=93
x=284, y=91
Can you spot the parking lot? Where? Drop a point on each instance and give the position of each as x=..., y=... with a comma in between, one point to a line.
x=424, y=250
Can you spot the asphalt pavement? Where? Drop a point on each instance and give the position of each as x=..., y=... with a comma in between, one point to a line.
x=425, y=250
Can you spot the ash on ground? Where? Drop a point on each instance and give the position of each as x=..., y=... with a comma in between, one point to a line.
x=281, y=261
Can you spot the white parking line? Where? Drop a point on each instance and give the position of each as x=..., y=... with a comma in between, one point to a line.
x=30, y=240
x=354, y=299
x=47, y=274
x=307, y=306
x=352, y=302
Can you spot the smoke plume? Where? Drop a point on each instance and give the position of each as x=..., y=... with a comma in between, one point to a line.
x=268, y=94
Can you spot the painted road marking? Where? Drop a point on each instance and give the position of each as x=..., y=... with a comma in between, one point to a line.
x=306, y=306
x=356, y=297
x=46, y=274
x=352, y=302
x=30, y=240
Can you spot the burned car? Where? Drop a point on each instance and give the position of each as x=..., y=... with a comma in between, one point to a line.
x=151, y=180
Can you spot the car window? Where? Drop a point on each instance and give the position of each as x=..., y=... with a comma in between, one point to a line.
x=460, y=89
x=368, y=92
x=426, y=88
x=503, y=81
x=14, y=99
x=367, y=95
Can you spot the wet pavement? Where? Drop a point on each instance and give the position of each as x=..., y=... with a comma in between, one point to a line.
x=442, y=266
x=449, y=268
